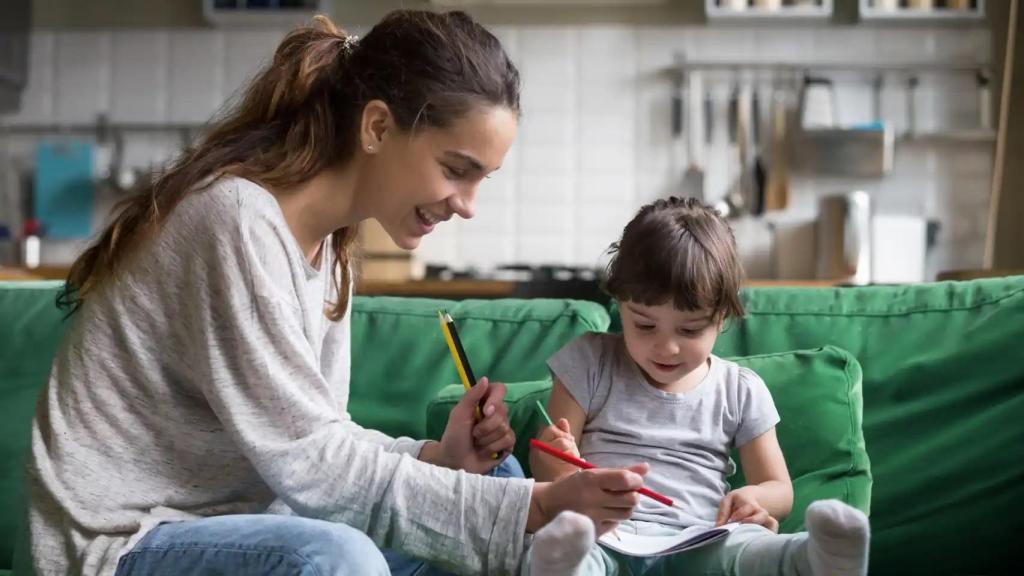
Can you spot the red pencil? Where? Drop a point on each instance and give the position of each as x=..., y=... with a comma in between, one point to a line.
x=565, y=457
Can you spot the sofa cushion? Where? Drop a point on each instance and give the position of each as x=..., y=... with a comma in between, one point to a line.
x=818, y=395
x=400, y=359
x=943, y=405
x=30, y=331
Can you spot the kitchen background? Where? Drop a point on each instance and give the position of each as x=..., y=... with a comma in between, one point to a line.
x=852, y=143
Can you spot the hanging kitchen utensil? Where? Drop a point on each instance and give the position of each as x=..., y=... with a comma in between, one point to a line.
x=912, y=83
x=709, y=118
x=747, y=200
x=776, y=196
x=876, y=96
x=758, y=172
x=693, y=178
x=677, y=143
x=733, y=204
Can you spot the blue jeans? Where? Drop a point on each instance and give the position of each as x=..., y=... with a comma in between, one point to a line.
x=270, y=545
x=264, y=544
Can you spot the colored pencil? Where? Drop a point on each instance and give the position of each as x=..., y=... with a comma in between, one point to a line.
x=565, y=457
x=451, y=336
x=544, y=413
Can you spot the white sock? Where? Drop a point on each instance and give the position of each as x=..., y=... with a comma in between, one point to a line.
x=838, y=539
x=560, y=546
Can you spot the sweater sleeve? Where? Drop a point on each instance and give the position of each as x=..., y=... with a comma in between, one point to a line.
x=336, y=359
x=261, y=378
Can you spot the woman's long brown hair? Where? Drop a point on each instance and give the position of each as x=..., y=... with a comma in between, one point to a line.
x=300, y=115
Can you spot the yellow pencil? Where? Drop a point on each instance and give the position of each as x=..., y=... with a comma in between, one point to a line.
x=458, y=353
x=451, y=336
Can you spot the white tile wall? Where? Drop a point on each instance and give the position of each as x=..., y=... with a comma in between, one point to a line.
x=37, y=99
x=83, y=76
x=196, y=84
x=139, y=77
x=594, y=141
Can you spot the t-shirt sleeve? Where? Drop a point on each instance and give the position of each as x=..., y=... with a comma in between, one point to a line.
x=757, y=409
x=577, y=366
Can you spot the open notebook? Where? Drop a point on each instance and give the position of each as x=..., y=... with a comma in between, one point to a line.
x=688, y=539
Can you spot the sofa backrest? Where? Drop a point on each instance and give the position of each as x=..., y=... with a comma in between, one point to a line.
x=400, y=360
x=943, y=369
x=30, y=331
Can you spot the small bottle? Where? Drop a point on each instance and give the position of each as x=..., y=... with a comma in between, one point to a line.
x=31, y=245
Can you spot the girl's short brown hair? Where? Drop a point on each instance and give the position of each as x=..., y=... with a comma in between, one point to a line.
x=681, y=251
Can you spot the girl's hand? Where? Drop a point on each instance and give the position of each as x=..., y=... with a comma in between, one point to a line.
x=740, y=505
x=560, y=437
x=470, y=445
x=607, y=496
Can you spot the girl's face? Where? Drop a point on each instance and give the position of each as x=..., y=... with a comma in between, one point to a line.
x=665, y=342
x=421, y=179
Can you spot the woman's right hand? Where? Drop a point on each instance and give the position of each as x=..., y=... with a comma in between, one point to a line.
x=606, y=496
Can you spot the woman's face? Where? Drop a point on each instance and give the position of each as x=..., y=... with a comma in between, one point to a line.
x=423, y=178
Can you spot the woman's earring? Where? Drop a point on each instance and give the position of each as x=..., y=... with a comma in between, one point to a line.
x=369, y=148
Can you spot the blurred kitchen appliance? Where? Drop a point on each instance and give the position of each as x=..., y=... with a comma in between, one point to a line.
x=14, y=48
x=794, y=252
x=905, y=238
x=755, y=243
x=844, y=238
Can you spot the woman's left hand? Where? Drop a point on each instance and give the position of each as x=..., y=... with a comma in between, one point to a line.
x=470, y=445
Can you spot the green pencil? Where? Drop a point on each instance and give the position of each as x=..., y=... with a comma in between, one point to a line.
x=544, y=413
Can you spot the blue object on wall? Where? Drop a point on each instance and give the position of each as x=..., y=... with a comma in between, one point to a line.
x=64, y=190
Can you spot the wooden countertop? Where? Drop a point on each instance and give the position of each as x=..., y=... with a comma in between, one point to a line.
x=505, y=289
x=41, y=273
x=438, y=288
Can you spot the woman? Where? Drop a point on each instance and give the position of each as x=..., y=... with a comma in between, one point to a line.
x=195, y=419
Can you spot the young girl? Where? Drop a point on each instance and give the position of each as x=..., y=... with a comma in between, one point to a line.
x=195, y=418
x=657, y=394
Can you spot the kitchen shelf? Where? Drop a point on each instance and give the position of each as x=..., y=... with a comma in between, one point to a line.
x=716, y=12
x=685, y=65
x=262, y=13
x=546, y=3
x=95, y=128
x=849, y=152
x=978, y=136
x=869, y=13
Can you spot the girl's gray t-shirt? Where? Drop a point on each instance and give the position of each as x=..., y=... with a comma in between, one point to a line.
x=686, y=438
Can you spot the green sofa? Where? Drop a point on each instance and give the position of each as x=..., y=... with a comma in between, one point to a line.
x=935, y=373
